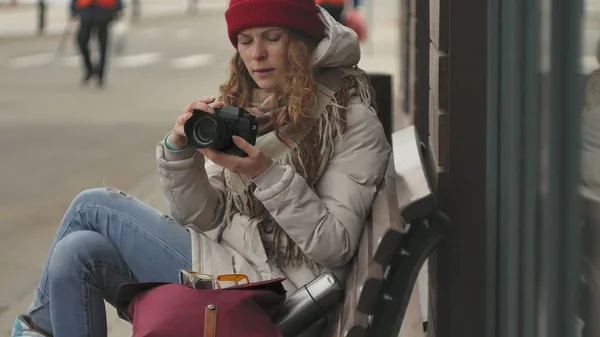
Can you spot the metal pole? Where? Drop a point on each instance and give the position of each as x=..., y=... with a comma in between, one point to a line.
x=370, y=20
x=192, y=7
x=135, y=10
x=41, y=16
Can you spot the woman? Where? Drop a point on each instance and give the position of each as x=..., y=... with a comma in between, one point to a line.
x=294, y=207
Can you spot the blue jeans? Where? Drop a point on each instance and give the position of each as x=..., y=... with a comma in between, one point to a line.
x=106, y=238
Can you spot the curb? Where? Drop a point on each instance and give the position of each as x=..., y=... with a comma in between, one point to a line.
x=57, y=29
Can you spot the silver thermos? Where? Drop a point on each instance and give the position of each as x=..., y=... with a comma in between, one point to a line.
x=309, y=304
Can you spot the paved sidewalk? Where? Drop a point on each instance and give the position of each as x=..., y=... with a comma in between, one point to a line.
x=22, y=20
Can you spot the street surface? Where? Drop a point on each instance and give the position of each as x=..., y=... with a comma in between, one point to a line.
x=60, y=138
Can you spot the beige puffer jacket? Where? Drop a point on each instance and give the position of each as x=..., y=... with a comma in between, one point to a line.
x=328, y=225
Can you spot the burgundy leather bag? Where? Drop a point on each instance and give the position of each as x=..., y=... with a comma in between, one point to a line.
x=175, y=310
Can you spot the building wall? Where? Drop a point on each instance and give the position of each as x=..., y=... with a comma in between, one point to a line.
x=444, y=72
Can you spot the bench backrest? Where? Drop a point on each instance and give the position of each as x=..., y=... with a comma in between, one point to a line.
x=404, y=194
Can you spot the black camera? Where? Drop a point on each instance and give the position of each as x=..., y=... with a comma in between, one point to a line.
x=214, y=131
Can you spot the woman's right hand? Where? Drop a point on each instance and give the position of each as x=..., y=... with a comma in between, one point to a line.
x=177, y=137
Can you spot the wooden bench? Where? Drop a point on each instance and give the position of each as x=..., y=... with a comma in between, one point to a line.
x=403, y=229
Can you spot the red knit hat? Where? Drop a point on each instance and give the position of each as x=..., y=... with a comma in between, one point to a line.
x=299, y=15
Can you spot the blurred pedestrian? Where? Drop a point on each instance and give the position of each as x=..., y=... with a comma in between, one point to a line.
x=94, y=17
x=334, y=7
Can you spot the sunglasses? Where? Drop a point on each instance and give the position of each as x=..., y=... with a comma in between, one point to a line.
x=196, y=280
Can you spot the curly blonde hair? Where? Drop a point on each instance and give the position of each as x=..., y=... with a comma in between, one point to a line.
x=296, y=92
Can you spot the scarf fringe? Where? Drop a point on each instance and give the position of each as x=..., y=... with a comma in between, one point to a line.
x=329, y=128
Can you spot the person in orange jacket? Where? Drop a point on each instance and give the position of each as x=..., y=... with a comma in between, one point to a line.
x=94, y=17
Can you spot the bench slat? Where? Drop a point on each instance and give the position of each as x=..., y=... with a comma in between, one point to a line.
x=378, y=244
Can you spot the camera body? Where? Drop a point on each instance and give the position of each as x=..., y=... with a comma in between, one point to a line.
x=214, y=131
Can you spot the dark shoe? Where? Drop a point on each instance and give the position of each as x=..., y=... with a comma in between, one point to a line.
x=87, y=77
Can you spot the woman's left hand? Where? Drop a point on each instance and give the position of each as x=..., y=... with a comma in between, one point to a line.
x=252, y=166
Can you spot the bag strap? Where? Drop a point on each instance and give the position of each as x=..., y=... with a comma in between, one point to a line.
x=210, y=321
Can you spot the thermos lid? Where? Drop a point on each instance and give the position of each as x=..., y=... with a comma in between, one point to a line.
x=327, y=291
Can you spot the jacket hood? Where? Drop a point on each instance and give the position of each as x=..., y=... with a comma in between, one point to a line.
x=340, y=46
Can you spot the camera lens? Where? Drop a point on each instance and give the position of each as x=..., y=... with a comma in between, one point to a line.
x=205, y=129
x=212, y=131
